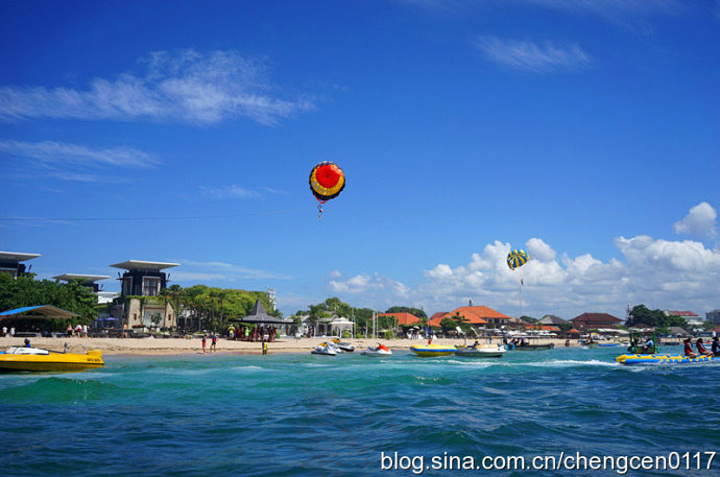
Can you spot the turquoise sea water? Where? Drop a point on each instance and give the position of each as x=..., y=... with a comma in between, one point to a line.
x=306, y=415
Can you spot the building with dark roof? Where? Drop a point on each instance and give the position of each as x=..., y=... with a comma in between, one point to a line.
x=142, y=306
x=595, y=320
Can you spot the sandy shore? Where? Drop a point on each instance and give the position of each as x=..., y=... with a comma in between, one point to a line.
x=157, y=346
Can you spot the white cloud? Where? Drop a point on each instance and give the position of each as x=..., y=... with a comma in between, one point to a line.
x=229, y=192
x=71, y=162
x=699, y=222
x=187, y=86
x=529, y=56
x=193, y=271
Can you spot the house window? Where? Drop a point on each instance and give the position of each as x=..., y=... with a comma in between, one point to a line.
x=151, y=286
x=127, y=286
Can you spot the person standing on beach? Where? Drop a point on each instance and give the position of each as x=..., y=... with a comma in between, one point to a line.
x=204, y=343
x=264, y=347
x=214, y=339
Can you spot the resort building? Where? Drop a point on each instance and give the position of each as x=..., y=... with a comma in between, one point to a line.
x=713, y=317
x=11, y=263
x=89, y=281
x=595, y=321
x=404, y=318
x=476, y=316
x=692, y=319
x=552, y=320
x=141, y=303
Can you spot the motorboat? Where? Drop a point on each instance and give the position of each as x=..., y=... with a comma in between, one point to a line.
x=326, y=349
x=481, y=351
x=664, y=359
x=379, y=350
x=35, y=359
x=430, y=350
x=346, y=347
x=530, y=347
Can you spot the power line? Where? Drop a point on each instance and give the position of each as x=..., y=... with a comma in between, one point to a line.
x=126, y=219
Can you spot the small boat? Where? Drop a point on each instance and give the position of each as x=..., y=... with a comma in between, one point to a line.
x=346, y=347
x=531, y=347
x=664, y=359
x=478, y=351
x=326, y=349
x=36, y=359
x=379, y=350
x=429, y=350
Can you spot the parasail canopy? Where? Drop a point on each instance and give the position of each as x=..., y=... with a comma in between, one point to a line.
x=327, y=180
x=516, y=258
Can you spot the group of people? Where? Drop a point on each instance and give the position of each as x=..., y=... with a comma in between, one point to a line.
x=78, y=330
x=5, y=331
x=252, y=333
x=213, y=343
x=701, y=349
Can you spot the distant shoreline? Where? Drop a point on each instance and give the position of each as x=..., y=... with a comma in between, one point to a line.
x=181, y=346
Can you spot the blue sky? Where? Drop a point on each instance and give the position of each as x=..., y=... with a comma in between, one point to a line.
x=587, y=133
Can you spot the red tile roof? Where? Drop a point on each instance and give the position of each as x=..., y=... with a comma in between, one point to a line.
x=404, y=318
x=474, y=315
x=682, y=313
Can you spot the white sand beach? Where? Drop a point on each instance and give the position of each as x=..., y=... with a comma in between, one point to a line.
x=170, y=346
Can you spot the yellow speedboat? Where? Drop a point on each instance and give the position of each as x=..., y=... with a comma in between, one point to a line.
x=432, y=350
x=36, y=359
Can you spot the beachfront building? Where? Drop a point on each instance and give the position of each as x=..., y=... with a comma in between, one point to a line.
x=590, y=321
x=552, y=320
x=713, y=317
x=90, y=282
x=404, y=319
x=141, y=302
x=11, y=263
x=692, y=319
x=479, y=317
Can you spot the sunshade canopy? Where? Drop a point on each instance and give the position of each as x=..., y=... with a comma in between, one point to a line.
x=260, y=316
x=41, y=312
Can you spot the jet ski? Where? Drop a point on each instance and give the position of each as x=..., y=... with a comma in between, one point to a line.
x=326, y=349
x=379, y=350
x=346, y=347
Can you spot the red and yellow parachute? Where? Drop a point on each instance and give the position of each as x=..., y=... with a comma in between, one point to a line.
x=327, y=180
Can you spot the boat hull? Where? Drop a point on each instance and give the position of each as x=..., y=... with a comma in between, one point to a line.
x=664, y=359
x=429, y=351
x=51, y=362
x=533, y=347
x=470, y=352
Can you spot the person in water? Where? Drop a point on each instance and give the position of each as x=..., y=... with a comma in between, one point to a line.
x=702, y=350
x=689, y=349
x=716, y=346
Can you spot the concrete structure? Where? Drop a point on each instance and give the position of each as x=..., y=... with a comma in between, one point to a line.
x=141, y=302
x=10, y=262
x=89, y=281
x=713, y=317
x=692, y=319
